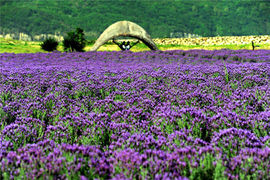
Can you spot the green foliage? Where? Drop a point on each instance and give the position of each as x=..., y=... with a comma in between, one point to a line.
x=92, y=42
x=74, y=41
x=49, y=44
x=159, y=18
x=206, y=169
x=227, y=78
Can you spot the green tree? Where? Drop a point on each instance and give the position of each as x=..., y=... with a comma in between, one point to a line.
x=74, y=41
x=49, y=44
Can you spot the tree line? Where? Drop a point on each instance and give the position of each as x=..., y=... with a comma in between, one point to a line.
x=74, y=41
x=159, y=18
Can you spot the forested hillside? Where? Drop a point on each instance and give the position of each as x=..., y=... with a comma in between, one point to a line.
x=158, y=17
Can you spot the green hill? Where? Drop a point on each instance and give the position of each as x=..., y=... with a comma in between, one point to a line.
x=159, y=17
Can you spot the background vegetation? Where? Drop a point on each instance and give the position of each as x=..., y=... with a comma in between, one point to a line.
x=49, y=44
x=17, y=46
x=158, y=17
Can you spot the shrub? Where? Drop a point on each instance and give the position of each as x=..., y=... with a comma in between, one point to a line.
x=49, y=44
x=74, y=41
x=91, y=42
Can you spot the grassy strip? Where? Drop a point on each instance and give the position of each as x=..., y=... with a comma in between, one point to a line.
x=16, y=46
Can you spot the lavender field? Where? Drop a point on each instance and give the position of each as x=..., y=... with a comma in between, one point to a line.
x=193, y=114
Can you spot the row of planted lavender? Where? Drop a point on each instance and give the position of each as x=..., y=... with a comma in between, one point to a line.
x=148, y=115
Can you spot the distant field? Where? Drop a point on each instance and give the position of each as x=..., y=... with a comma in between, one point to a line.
x=16, y=46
